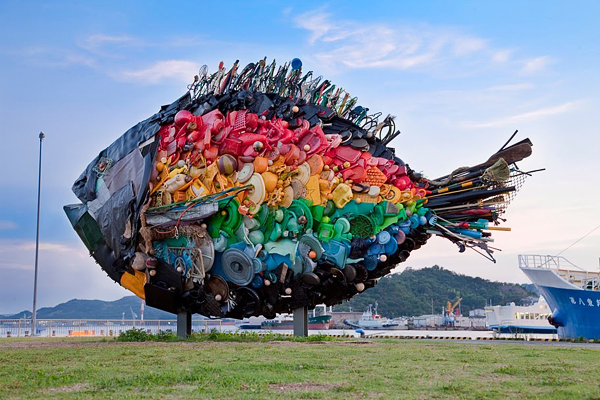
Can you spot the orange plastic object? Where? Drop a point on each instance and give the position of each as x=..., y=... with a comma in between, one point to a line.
x=393, y=195
x=188, y=184
x=164, y=176
x=325, y=186
x=384, y=190
x=270, y=180
x=421, y=193
x=327, y=160
x=195, y=172
x=179, y=195
x=316, y=164
x=375, y=177
x=260, y=164
x=135, y=283
x=406, y=196
x=366, y=198
x=313, y=190
x=222, y=182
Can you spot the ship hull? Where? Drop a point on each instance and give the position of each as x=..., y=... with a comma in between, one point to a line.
x=575, y=311
x=524, y=329
x=314, y=323
x=578, y=311
x=249, y=326
x=357, y=325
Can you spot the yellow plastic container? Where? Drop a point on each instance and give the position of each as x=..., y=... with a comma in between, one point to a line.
x=342, y=195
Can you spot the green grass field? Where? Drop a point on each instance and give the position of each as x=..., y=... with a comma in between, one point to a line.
x=92, y=368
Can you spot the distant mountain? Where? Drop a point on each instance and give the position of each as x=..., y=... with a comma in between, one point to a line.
x=406, y=294
x=411, y=292
x=530, y=287
x=19, y=315
x=96, y=309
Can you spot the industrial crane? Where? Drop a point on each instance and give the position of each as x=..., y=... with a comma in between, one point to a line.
x=450, y=307
x=449, y=312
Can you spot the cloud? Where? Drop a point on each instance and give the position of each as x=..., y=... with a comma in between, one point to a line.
x=511, y=88
x=18, y=266
x=54, y=57
x=65, y=271
x=76, y=59
x=405, y=45
x=536, y=64
x=7, y=225
x=286, y=12
x=468, y=45
x=13, y=249
x=501, y=56
x=317, y=23
x=528, y=116
x=96, y=41
x=181, y=70
x=357, y=44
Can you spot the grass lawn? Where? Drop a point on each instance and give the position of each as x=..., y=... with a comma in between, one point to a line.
x=91, y=368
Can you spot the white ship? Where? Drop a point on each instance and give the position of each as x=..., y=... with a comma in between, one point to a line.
x=520, y=319
x=371, y=320
x=573, y=294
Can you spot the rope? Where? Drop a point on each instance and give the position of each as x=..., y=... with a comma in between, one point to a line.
x=174, y=229
x=571, y=245
x=578, y=240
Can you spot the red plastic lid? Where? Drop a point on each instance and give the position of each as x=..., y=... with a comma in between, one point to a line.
x=346, y=153
x=356, y=173
x=292, y=156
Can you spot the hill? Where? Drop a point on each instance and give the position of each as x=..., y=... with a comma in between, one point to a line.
x=96, y=309
x=406, y=294
x=410, y=293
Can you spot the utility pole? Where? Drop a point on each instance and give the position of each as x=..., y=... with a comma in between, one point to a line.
x=37, y=243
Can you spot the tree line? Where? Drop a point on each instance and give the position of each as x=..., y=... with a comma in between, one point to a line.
x=416, y=291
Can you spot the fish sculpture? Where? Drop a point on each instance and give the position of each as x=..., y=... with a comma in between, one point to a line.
x=264, y=189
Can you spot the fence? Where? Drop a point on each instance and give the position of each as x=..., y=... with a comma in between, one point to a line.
x=100, y=327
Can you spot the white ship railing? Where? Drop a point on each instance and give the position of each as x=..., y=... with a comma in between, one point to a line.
x=100, y=327
x=545, y=261
x=564, y=268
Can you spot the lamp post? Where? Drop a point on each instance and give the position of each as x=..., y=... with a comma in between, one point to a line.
x=37, y=243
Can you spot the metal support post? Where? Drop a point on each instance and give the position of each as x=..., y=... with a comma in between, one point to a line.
x=37, y=243
x=301, y=321
x=184, y=324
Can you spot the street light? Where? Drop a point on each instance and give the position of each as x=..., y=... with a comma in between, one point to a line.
x=37, y=243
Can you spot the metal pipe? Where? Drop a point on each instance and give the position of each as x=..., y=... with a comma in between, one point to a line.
x=37, y=242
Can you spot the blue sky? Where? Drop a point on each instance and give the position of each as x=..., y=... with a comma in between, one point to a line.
x=459, y=76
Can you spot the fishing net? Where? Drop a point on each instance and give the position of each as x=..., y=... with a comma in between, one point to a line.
x=517, y=179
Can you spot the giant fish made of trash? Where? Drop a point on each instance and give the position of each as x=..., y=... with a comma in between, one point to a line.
x=263, y=189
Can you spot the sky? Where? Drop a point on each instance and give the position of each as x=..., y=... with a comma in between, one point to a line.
x=460, y=77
